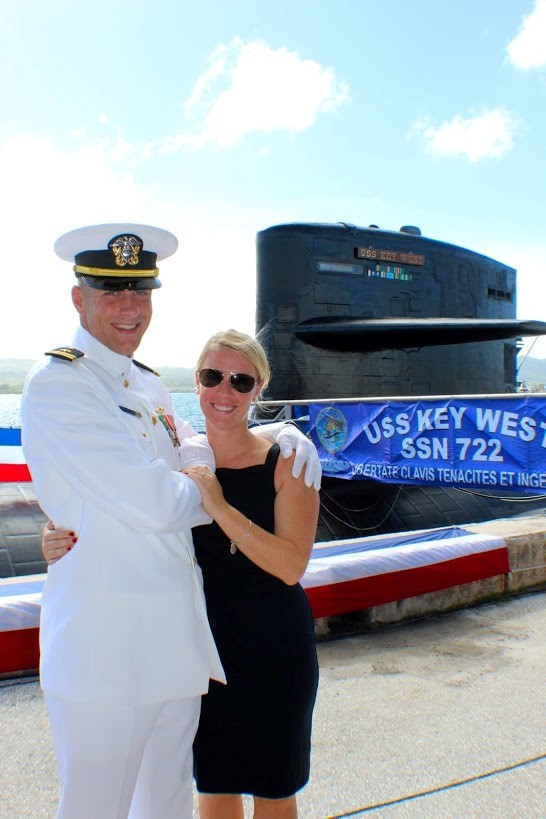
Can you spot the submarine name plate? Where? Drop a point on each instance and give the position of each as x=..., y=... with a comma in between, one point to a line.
x=389, y=256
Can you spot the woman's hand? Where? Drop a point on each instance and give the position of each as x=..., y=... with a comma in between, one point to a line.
x=56, y=542
x=208, y=485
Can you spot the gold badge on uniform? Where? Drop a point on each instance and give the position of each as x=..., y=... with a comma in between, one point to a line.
x=126, y=250
x=168, y=423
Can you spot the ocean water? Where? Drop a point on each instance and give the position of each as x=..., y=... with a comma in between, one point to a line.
x=185, y=404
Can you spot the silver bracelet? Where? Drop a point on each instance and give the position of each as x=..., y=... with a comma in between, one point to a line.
x=234, y=543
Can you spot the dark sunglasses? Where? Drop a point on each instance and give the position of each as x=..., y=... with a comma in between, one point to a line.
x=242, y=382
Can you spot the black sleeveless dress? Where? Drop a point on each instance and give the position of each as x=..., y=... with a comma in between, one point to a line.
x=254, y=733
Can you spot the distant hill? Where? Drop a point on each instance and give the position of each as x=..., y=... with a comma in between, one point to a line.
x=13, y=372
x=13, y=367
x=177, y=379
x=532, y=371
x=180, y=379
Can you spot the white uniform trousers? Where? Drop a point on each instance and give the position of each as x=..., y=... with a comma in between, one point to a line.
x=119, y=761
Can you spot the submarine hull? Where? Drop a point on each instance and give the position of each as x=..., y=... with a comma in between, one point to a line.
x=359, y=508
x=21, y=524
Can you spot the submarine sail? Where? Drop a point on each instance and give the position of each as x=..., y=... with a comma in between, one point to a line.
x=346, y=311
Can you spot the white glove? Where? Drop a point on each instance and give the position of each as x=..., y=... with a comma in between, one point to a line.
x=196, y=451
x=289, y=439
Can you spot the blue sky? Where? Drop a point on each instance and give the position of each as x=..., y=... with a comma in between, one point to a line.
x=219, y=119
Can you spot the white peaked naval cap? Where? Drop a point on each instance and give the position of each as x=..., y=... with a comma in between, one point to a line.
x=117, y=256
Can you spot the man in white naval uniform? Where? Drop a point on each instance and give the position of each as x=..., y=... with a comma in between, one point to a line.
x=126, y=649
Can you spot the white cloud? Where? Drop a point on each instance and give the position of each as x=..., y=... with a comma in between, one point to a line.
x=528, y=48
x=251, y=87
x=50, y=191
x=121, y=150
x=488, y=135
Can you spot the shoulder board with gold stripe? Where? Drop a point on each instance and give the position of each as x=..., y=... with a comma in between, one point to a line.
x=66, y=353
x=144, y=367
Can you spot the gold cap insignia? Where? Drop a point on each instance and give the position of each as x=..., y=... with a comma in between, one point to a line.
x=126, y=250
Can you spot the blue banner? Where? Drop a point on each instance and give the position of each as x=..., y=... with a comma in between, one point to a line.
x=492, y=443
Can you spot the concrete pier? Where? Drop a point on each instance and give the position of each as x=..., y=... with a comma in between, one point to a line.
x=439, y=717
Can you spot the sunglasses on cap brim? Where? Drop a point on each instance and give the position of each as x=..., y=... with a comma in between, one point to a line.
x=241, y=382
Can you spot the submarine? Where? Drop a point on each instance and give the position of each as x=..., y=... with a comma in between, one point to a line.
x=348, y=312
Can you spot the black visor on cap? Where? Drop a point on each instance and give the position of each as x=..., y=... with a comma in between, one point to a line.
x=116, y=284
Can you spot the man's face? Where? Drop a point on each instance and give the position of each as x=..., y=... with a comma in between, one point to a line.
x=118, y=319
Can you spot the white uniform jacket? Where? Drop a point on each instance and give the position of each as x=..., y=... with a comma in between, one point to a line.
x=123, y=614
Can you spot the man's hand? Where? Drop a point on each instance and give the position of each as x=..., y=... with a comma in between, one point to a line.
x=289, y=439
x=196, y=451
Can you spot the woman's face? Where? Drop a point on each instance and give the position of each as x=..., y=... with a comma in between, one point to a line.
x=222, y=405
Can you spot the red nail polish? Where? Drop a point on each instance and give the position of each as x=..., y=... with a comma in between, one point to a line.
x=72, y=534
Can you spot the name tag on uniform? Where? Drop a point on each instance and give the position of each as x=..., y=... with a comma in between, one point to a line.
x=130, y=411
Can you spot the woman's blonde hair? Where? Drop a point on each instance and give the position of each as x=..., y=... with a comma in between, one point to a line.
x=240, y=343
